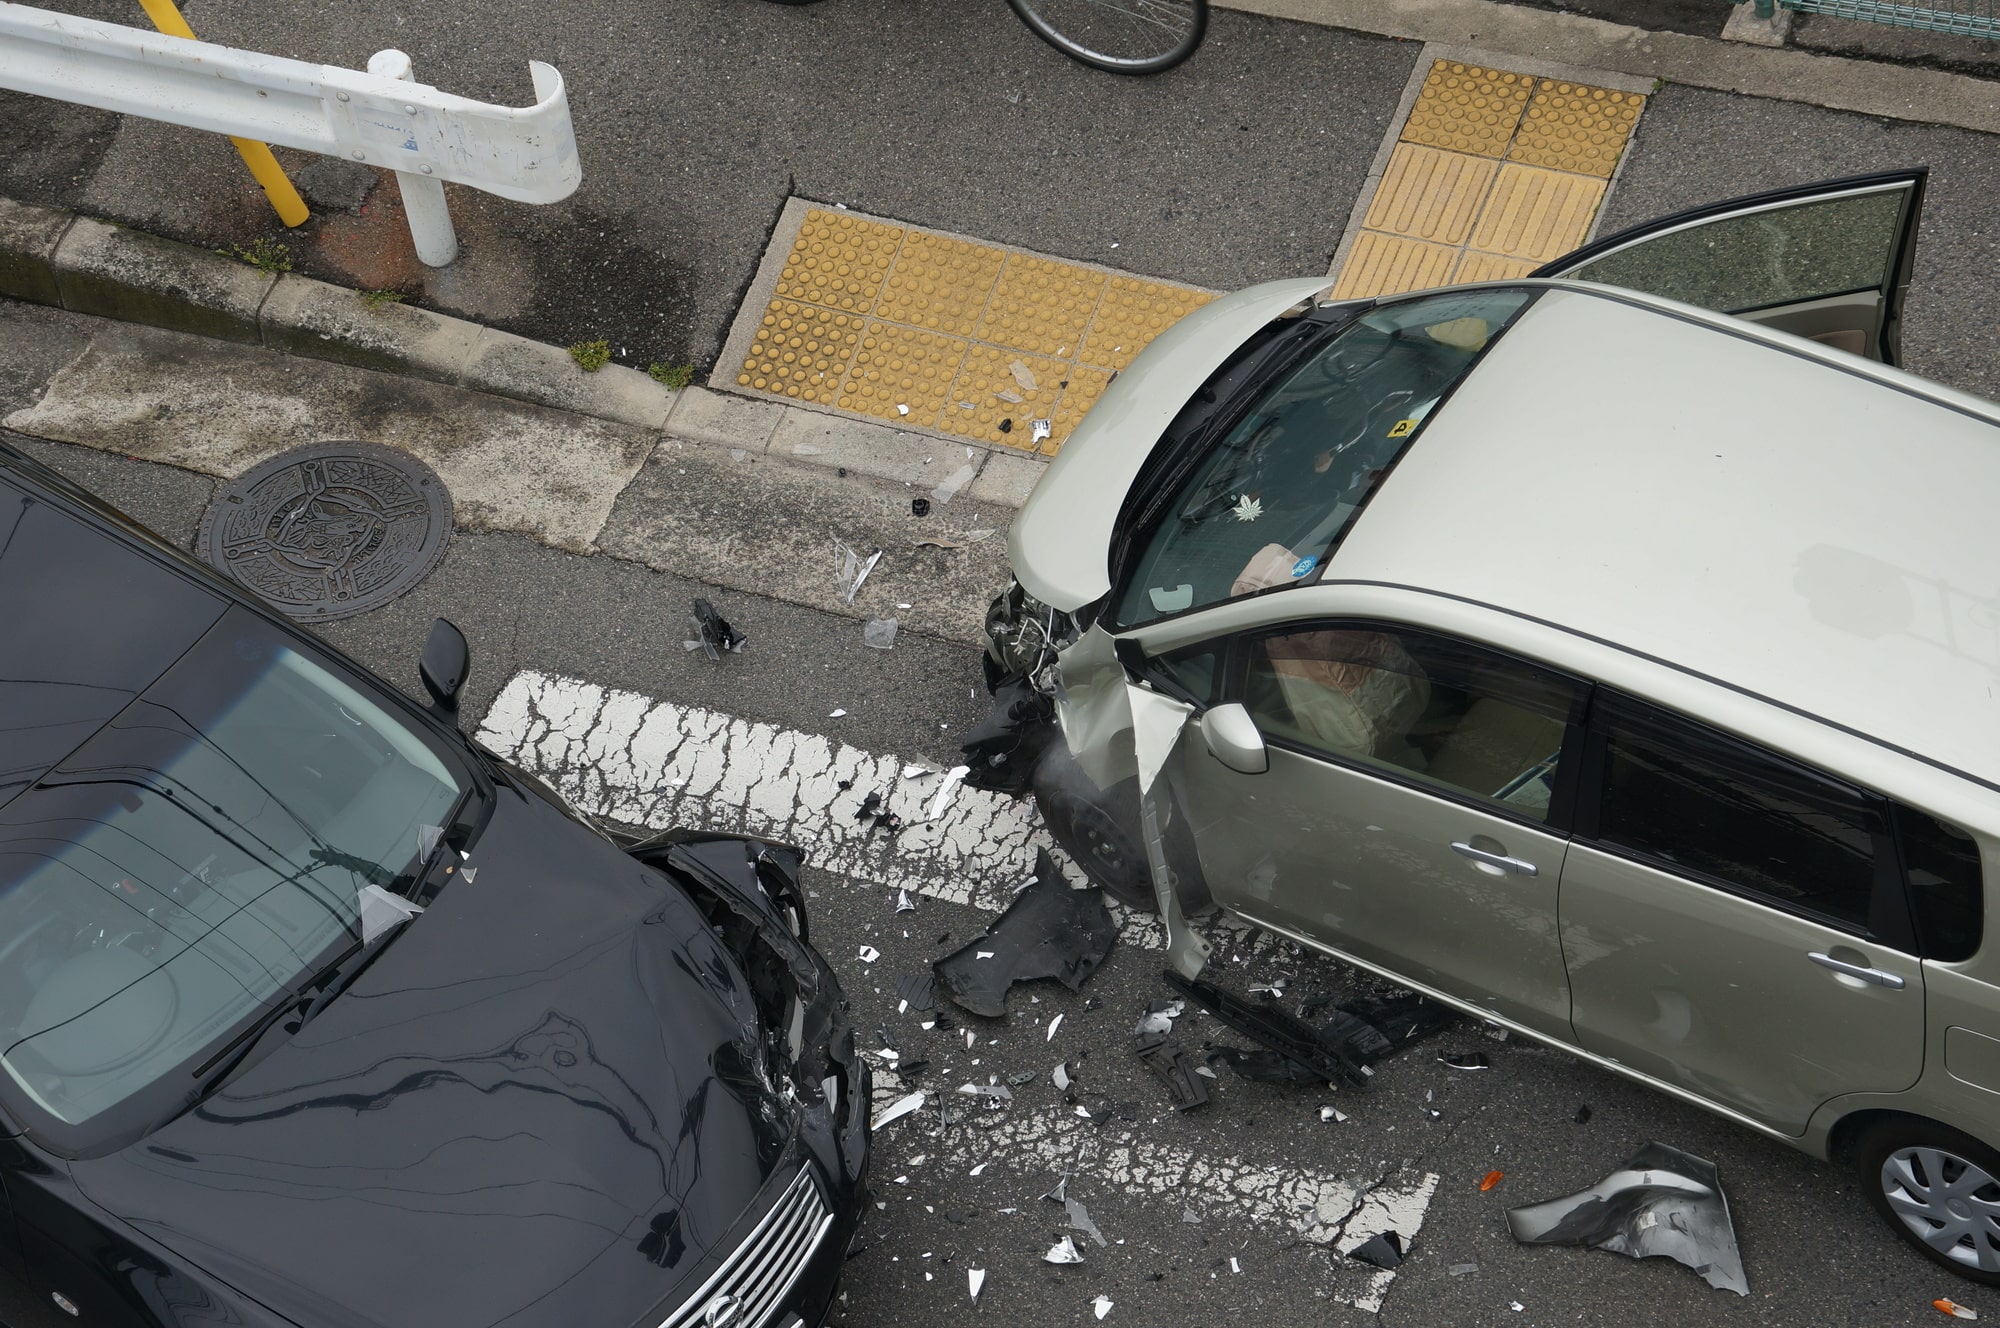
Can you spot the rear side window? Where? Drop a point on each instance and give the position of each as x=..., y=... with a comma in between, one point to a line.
x=1698, y=802
x=1941, y=863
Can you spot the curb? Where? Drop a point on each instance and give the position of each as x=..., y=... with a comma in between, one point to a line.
x=56, y=257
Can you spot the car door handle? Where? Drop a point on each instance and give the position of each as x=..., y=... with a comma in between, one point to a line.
x=1516, y=865
x=1874, y=975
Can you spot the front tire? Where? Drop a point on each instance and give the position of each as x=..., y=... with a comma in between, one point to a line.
x=1118, y=36
x=1939, y=1189
x=1098, y=828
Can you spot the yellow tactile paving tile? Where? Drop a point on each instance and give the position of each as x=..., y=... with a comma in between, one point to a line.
x=838, y=262
x=1004, y=406
x=1475, y=266
x=1132, y=313
x=801, y=351
x=902, y=374
x=1429, y=194
x=1382, y=264
x=1042, y=305
x=1464, y=108
x=1086, y=385
x=1572, y=127
x=1536, y=213
x=939, y=283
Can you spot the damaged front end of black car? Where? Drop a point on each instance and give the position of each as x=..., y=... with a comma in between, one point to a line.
x=748, y=889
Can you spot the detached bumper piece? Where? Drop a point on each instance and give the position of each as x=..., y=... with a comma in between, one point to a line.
x=1049, y=931
x=1343, y=1051
x=1002, y=752
x=1661, y=1202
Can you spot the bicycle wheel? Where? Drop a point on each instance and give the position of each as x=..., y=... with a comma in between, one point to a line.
x=1122, y=36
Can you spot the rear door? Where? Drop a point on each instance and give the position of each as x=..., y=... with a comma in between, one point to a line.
x=1828, y=261
x=1734, y=922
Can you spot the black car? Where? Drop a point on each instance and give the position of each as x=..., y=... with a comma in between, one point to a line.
x=313, y=1012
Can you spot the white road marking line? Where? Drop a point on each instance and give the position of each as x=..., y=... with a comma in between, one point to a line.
x=653, y=763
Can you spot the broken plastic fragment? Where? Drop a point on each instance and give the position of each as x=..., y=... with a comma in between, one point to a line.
x=381, y=911
x=1582, y=1116
x=1039, y=429
x=427, y=840
x=879, y=633
x=942, y=798
x=976, y=1170
x=1063, y=1251
x=918, y=989
x=854, y=569
x=1049, y=931
x=975, y=1278
x=836, y=714
x=952, y=483
x=1490, y=1179
x=898, y=1109
x=1171, y=1067
x=1234, y=1266
x=1332, y=1114
x=1954, y=1309
x=997, y=1092
x=1383, y=1250
x=1101, y=1306
x=1660, y=1202
x=1054, y=1024
x=869, y=954
x=920, y=507
x=1473, y=1061
x=1461, y=1269
x=714, y=631
x=1061, y=1077
x=1023, y=375
x=1191, y=1217
x=1079, y=1218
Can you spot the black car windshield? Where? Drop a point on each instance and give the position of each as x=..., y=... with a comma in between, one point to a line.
x=193, y=863
x=1263, y=508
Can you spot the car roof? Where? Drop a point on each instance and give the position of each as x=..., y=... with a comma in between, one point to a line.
x=1744, y=505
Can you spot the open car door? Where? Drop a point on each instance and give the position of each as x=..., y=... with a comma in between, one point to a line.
x=1829, y=261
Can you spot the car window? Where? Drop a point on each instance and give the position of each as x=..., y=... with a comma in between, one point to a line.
x=1263, y=508
x=85, y=624
x=1448, y=713
x=1700, y=802
x=1780, y=255
x=1941, y=864
x=196, y=858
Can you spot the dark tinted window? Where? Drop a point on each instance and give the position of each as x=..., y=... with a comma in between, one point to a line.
x=85, y=624
x=1702, y=803
x=1941, y=863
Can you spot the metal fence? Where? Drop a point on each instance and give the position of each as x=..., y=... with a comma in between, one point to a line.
x=1960, y=18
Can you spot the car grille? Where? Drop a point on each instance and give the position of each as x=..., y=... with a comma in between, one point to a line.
x=763, y=1268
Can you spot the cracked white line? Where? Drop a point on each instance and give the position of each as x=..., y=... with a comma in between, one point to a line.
x=653, y=763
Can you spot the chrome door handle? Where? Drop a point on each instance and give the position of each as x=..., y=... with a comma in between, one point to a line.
x=1874, y=975
x=1500, y=860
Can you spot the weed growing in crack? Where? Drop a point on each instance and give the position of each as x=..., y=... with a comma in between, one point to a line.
x=263, y=253
x=673, y=377
x=377, y=299
x=590, y=356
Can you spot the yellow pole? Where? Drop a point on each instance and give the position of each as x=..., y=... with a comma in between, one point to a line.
x=257, y=156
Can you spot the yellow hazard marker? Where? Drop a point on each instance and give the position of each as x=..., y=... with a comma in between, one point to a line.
x=257, y=156
x=1493, y=174
x=948, y=335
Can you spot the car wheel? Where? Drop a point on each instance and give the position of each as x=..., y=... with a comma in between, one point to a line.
x=1939, y=1189
x=1099, y=830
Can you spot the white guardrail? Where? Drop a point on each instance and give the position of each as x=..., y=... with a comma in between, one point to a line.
x=379, y=117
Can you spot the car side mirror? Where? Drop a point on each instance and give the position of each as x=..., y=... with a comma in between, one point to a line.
x=446, y=662
x=1233, y=739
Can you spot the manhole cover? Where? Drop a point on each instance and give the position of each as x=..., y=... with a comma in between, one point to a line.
x=331, y=530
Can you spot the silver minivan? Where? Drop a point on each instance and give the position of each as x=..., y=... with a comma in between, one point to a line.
x=1613, y=654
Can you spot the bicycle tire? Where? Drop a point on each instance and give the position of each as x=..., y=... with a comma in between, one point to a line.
x=1085, y=50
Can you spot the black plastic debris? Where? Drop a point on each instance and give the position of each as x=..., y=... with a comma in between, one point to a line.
x=1475, y=1060
x=1263, y=1065
x=1001, y=753
x=1383, y=1250
x=1582, y=1116
x=917, y=990
x=1171, y=1067
x=714, y=632
x=920, y=507
x=871, y=811
x=1661, y=1202
x=1049, y=931
x=1340, y=1051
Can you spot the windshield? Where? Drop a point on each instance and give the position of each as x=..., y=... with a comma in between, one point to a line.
x=1265, y=507
x=189, y=866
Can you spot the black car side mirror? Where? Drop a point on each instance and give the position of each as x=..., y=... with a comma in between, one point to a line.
x=444, y=666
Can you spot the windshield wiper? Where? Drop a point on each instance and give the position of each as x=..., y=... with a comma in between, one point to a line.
x=217, y=1068
x=342, y=973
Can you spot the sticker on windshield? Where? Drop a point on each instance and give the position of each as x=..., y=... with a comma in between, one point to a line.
x=1302, y=566
x=1402, y=428
x=1248, y=508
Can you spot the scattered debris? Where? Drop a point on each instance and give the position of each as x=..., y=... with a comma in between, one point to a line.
x=836, y=714
x=1039, y=429
x=898, y=1109
x=1005, y=747
x=1010, y=396
x=1191, y=1217
x=1171, y=1067
x=1516, y=1306
x=952, y=483
x=1023, y=375
x=854, y=569
x=975, y=1278
x=713, y=633
x=1490, y=1179
x=1101, y=1306
x=1234, y=1266
x=920, y=507
x=1331, y=1114
x=1582, y=1116
x=1154, y=1025
x=942, y=798
x=904, y=904
x=1054, y=1024
x=1382, y=1250
x=880, y=633
x=1462, y=1269
x=1660, y=1202
x=1049, y=931
x=1060, y=1194
x=1060, y=1076
x=1063, y=1251
x=1079, y=1219
x=1942, y=1306
x=1264, y=1066
x=1474, y=1061
x=1342, y=1051
x=869, y=954
x=995, y=1092
x=1021, y=1077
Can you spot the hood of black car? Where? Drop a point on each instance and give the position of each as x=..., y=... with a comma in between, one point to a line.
x=542, y=1105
